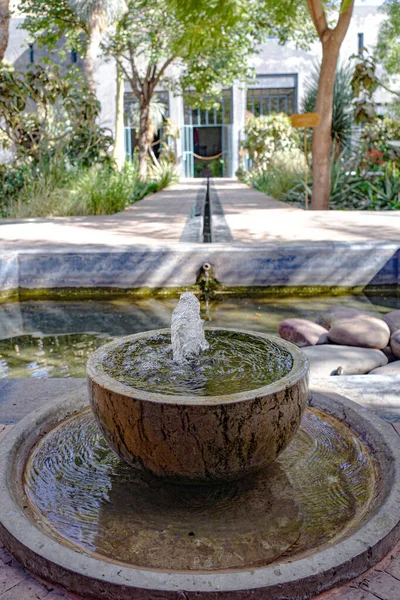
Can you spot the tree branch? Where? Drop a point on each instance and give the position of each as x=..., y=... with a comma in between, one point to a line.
x=135, y=72
x=344, y=20
x=132, y=82
x=318, y=16
x=162, y=70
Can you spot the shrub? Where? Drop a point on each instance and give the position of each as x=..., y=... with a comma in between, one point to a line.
x=164, y=174
x=83, y=191
x=267, y=135
x=375, y=138
x=285, y=171
x=47, y=114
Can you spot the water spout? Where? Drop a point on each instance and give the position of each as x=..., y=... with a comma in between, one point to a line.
x=187, y=333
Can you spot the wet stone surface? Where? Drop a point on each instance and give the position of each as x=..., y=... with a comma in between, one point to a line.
x=80, y=493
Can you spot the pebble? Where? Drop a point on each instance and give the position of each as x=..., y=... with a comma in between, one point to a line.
x=302, y=332
x=360, y=330
x=393, y=320
x=392, y=368
x=326, y=360
x=335, y=313
x=395, y=343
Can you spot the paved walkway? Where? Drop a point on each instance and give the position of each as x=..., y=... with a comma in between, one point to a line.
x=156, y=219
x=252, y=217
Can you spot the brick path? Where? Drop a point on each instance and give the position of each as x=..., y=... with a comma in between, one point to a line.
x=382, y=582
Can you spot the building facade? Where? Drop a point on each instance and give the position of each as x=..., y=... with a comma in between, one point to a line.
x=210, y=140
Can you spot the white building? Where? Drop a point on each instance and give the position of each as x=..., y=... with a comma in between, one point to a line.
x=281, y=75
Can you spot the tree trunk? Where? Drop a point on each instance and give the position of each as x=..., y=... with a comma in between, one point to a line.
x=4, y=26
x=90, y=57
x=119, y=143
x=144, y=128
x=331, y=40
x=322, y=139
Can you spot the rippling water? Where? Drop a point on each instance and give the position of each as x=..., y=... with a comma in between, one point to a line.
x=44, y=338
x=79, y=492
x=234, y=362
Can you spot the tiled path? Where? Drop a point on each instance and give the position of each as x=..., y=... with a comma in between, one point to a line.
x=254, y=217
x=382, y=582
x=160, y=218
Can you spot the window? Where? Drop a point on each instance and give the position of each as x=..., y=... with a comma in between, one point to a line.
x=218, y=115
x=272, y=93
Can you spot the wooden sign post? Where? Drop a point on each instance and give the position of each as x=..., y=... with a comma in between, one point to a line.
x=302, y=122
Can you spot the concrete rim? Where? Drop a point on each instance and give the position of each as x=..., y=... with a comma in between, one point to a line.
x=302, y=578
x=95, y=371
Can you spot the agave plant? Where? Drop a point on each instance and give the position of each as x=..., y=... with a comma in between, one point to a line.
x=346, y=188
x=342, y=108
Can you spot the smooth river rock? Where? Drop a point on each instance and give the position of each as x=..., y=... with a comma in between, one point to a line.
x=392, y=368
x=325, y=360
x=393, y=320
x=360, y=330
x=395, y=343
x=389, y=353
x=335, y=313
x=302, y=332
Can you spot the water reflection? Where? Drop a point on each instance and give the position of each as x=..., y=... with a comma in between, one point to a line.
x=318, y=490
x=54, y=338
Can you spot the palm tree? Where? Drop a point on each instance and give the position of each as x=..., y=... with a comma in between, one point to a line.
x=157, y=113
x=342, y=106
x=97, y=14
x=4, y=25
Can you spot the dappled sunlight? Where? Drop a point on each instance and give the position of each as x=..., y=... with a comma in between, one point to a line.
x=254, y=217
x=156, y=219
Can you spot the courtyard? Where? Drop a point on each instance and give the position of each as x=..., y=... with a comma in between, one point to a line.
x=199, y=300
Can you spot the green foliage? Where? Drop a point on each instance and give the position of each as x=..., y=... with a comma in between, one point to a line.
x=364, y=83
x=78, y=191
x=267, y=135
x=344, y=190
x=48, y=21
x=286, y=170
x=106, y=11
x=105, y=191
x=376, y=135
x=151, y=32
x=163, y=174
x=157, y=113
x=353, y=186
x=382, y=191
x=388, y=46
x=47, y=113
x=342, y=107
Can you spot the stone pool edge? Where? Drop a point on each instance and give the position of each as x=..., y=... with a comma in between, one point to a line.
x=299, y=264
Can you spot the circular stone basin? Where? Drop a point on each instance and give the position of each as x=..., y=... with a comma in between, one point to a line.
x=325, y=511
x=195, y=436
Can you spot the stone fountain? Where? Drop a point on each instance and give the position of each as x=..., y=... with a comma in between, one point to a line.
x=196, y=433
x=199, y=472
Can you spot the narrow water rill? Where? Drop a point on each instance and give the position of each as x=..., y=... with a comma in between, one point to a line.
x=198, y=471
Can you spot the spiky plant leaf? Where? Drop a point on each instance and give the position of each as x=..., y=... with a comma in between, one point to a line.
x=342, y=107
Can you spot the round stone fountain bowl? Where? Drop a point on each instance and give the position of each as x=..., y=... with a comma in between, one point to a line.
x=198, y=439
